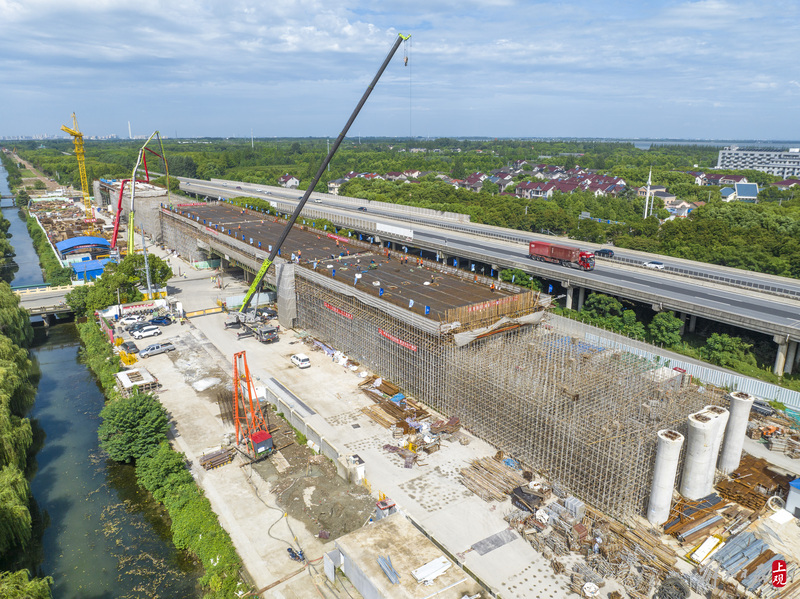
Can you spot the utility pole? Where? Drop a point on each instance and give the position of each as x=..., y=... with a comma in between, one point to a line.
x=147, y=267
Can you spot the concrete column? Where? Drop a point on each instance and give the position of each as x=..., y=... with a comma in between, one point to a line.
x=692, y=323
x=581, y=297
x=791, y=355
x=683, y=316
x=569, y=297
x=780, y=356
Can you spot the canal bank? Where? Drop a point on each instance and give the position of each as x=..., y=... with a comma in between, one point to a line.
x=106, y=537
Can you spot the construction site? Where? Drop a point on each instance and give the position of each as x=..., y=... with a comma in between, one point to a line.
x=614, y=468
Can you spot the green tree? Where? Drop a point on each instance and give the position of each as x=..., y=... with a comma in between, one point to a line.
x=631, y=327
x=490, y=187
x=18, y=585
x=515, y=276
x=133, y=267
x=15, y=517
x=599, y=305
x=162, y=469
x=665, y=329
x=132, y=426
x=729, y=352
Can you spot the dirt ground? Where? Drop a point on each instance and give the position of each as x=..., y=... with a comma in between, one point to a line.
x=50, y=185
x=311, y=492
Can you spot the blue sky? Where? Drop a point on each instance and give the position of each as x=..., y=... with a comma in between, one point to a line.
x=680, y=69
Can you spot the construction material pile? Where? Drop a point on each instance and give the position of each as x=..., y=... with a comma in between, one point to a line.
x=750, y=560
x=392, y=408
x=218, y=458
x=691, y=521
x=753, y=483
x=490, y=479
x=633, y=557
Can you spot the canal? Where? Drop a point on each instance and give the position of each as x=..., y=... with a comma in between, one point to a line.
x=106, y=537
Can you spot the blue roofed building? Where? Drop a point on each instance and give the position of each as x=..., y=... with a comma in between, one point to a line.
x=94, y=246
x=747, y=192
x=728, y=194
x=89, y=270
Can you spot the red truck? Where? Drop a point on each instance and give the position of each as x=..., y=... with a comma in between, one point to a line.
x=560, y=254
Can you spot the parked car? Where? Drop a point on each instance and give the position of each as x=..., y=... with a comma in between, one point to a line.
x=136, y=326
x=362, y=208
x=156, y=348
x=128, y=320
x=162, y=320
x=301, y=361
x=150, y=330
x=654, y=265
x=604, y=253
x=129, y=347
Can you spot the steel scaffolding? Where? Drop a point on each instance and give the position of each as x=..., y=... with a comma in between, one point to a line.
x=583, y=415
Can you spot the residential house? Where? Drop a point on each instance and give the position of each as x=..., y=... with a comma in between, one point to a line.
x=475, y=181
x=333, y=186
x=412, y=174
x=786, y=183
x=665, y=196
x=699, y=178
x=371, y=176
x=395, y=176
x=728, y=194
x=289, y=181
x=733, y=179
x=679, y=208
x=720, y=179
x=642, y=191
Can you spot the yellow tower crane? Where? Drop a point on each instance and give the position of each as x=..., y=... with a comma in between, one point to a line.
x=77, y=138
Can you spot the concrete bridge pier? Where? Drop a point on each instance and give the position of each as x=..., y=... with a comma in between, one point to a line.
x=692, y=322
x=791, y=357
x=780, y=356
x=570, y=291
x=683, y=316
x=581, y=297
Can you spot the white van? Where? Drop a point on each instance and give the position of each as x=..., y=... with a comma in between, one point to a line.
x=301, y=361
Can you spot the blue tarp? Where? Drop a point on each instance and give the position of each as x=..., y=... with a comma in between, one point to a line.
x=74, y=244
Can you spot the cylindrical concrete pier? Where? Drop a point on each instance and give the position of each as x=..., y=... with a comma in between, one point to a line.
x=699, y=461
x=735, y=431
x=722, y=421
x=666, y=467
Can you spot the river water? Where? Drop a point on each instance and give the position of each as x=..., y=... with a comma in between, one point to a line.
x=107, y=538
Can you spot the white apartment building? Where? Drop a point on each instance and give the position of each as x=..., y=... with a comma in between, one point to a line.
x=783, y=164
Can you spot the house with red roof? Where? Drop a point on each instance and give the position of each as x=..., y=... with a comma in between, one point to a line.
x=289, y=181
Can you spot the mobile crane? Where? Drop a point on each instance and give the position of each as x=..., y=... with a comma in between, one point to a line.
x=290, y=223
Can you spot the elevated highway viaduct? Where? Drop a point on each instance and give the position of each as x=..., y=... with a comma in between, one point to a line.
x=753, y=301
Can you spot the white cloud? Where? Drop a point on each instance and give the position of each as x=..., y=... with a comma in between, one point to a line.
x=310, y=60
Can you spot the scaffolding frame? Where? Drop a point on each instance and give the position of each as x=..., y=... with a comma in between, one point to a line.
x=584, y=416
